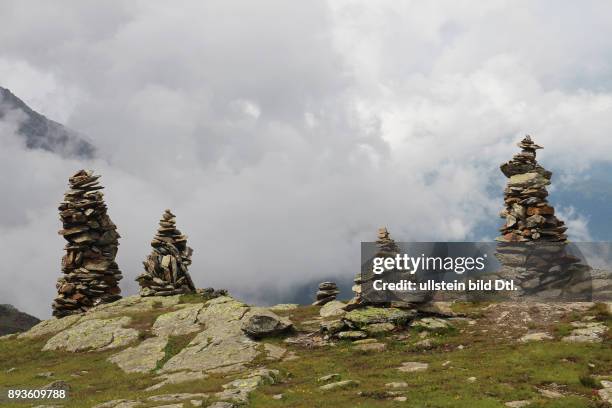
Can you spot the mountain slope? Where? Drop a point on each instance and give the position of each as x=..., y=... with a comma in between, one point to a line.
x=13, y=321
x=42, y=133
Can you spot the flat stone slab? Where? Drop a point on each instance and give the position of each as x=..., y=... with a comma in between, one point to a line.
x=176, y=378
x=94, y=335
x=130, y=304
x=274, y=352
x=431, y=323
x=371, y=347
x=535, y=337
x=238, y=390
x=143, y=357
x=371, y=315
x=179, y=322
x=281, y=307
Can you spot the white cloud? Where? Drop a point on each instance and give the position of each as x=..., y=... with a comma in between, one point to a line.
x=283, y=134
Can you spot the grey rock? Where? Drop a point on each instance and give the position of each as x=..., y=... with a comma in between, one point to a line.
x=94, y=335
x=261, y=322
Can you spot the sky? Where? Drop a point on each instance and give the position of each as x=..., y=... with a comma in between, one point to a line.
x=282, y=134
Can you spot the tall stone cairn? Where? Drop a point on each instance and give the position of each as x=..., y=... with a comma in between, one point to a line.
x=386, y=248
x=166, y=267
x=528, y=215
x=533, y=246
x=91, y=274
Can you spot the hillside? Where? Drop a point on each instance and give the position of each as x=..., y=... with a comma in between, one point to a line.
x=13, y=321
x=40, y=132
x=189, y=351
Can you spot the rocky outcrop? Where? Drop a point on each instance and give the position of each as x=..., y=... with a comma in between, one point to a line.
x=261, y=322
x=91, y=274
x=14, y=321
x=166, y=267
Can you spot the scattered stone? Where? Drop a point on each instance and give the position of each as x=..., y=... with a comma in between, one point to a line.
x=351, y=335
x=333, y=308
x=365, y=341
x=517, y=404
x=274, y=352
x=550, y=393
x=400, y=398
x=471, y=379
x=329, y=377
x=58, y=385
x=277, y=396
x=94, y=335
x=339, y=385
x=586, y=332
x=260, y=322
x=282, y=307
x=332, y=326
x=90, y=273
x=166, y=268
x=45, y=375
x=238, y=390
x=398, y=384
x=221, y=404
x=143, y=357
x=606, y=392
x=431, y=323
x=413, y=366
x=371, y=347
x=539, y=336
x=443, y=309
x=10, y=370
x=327, y=293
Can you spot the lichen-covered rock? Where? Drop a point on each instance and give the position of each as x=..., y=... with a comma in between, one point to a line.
x=339, y=385
x=413, y=366
x=222, y=345
x=261, y=322
x=94, y=335
x=282, y=307
x=143, y=357
x=131, y=304
x=177, y=378
x=370, y=315
x=332, y=326
x=333, y=309
x=586, y=332
x=179, y=322
x=352, y=335
x=50, y=326
x=238, y=390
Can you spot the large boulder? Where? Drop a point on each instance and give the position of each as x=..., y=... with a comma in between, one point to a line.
x=261, y=322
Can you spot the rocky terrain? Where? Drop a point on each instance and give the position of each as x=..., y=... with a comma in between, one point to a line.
x=40, y=132
x=190, y=350
x=13, y=321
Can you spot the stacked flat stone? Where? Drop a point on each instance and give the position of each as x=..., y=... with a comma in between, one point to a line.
x=528, y=214
x=91, y=274
x=533, y=245
x=326, y=293
x=386, y=248
x=166, y=268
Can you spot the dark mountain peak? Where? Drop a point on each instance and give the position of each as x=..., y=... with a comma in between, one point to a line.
x=14, y=321
x=43, y=133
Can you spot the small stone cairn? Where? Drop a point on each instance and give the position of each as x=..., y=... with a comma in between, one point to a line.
x=327, y=292
x=166, y=267
x=91, y=274
x=386, y=248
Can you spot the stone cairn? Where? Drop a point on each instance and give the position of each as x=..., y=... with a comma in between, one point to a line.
x=91, y=274
x=327, y=292
x=166, y=267
x=532, y=246
x=386, y=248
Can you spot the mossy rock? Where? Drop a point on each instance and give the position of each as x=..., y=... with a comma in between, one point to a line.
x=372, y=315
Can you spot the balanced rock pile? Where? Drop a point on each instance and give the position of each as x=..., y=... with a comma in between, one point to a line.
x=166, y=267
x=533, y=245
x=528, y=215
x=91, y=274
x=327, y=292
x=386, y=248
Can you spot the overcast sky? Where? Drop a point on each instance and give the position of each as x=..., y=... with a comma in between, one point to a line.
x=282, y=134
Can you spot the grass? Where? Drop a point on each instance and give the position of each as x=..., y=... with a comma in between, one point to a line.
x=505, y=369
x=174, y=346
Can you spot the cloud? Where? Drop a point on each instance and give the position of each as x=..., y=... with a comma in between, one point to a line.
x=283, y=134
